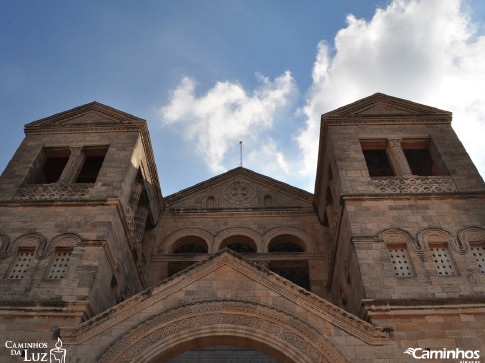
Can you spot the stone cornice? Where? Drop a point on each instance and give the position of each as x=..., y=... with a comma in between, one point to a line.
x=318, y=306
x=398, y=308
x=170, y=213
x=239, y=172
x=46, y=309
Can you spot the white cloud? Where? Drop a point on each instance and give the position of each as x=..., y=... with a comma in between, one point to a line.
x=425, y=51
x=226, y=114
x=269, y=161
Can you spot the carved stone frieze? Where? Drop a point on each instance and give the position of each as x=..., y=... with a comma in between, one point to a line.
x=158, y=333
x=55, y=191
x=239, y=192
x=415, y=184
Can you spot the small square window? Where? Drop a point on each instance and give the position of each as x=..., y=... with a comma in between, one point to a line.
x=59, y=264
x=21, y=264
x=401, y=262
x=443, y=262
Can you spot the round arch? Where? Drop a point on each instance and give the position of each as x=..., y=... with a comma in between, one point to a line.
x=248, y=324
x=308, y=242
x=168, y=243
x=238, y=231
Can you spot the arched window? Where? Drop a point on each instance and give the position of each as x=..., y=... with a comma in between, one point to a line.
x=239, y=244
x=190, y=244
x=286, y=243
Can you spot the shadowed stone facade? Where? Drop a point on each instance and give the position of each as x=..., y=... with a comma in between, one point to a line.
x=387, y=254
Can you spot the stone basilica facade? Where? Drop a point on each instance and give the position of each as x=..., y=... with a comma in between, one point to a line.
x=387, y=254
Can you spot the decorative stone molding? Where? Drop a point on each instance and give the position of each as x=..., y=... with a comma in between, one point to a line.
x=4, y=245
x=437, y=235
x=470, y=234
x=55, y=191
x=310, y=245
x=67, y=240
x=414, y=184
x=30, y=240
x=167, y=244
x=155, y=336
x=398, y=236
x=239, y=192
x=238, y=231
x=239, y=212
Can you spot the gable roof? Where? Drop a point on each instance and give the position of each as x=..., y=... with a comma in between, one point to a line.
x=380, y=107
x=92, y=115
x=236, y=172
x=377, y=109
x=297, y=295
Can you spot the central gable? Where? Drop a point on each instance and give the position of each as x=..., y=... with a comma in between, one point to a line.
x=239, y=188
x=222, y=296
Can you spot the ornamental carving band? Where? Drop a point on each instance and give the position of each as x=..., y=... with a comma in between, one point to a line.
x=416, y=184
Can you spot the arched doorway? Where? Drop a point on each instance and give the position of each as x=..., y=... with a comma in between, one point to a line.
x=239, y=323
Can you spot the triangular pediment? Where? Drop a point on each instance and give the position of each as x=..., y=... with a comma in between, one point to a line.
x=379, y=105
x=239, y=188
x=91, y=115
x=220, y=280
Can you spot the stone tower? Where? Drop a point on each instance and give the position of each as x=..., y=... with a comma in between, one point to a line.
x=406, y=211
x=75, y=202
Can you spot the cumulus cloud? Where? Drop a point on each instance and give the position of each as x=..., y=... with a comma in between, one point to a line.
x=426, y=51
x=226, y=114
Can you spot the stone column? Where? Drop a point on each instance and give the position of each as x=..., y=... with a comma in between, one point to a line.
x=73, y=166
x=398, y=159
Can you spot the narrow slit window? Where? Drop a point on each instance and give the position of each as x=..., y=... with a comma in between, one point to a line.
x=443, y=262
x=59, y=265
x=21, y=264
x=401, y=262
x=92, y=165
x=479, y=254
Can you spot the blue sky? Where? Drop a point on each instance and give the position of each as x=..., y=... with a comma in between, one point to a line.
x=205, y=74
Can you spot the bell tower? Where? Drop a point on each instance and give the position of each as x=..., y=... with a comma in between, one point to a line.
x=405, y=207
x=78, y=202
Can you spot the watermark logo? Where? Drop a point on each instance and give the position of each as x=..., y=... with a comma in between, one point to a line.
x=58, y=354
x=32, y=352
x=464, y=356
